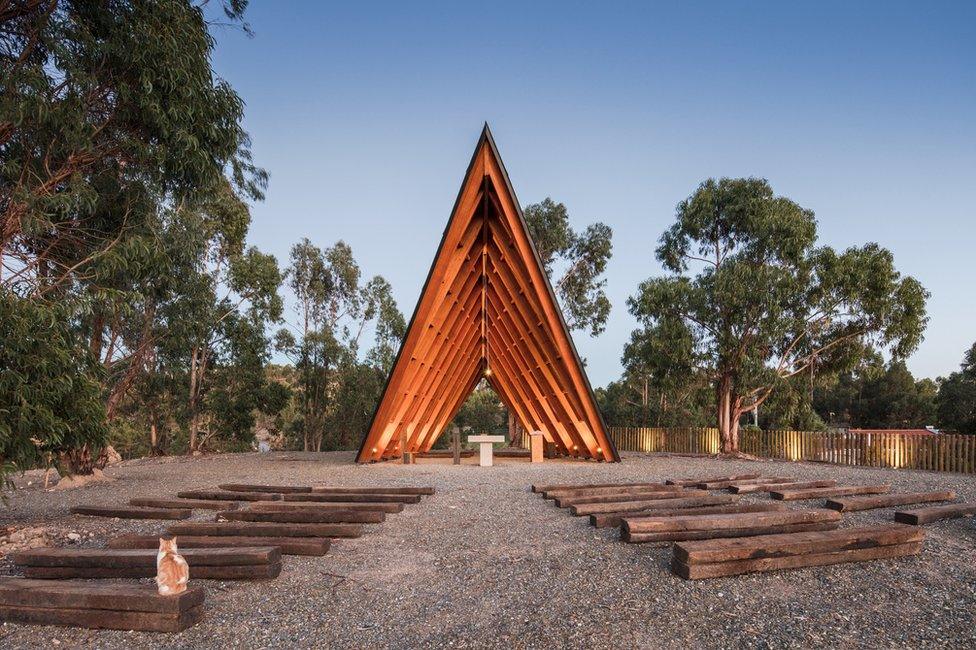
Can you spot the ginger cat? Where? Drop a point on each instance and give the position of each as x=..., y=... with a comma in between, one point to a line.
x=172, y=571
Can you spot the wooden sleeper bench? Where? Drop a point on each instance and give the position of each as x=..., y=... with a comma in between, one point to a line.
x=614, y=519
x=852, y=504
x=724, y=485
x=623, y=489
x=315, y=546
x=727, y=557
x=105, y=606
x=779, y=487
x=565, y=502
x=691, y=482
x=680, y=528
x=921, y=516
x=274, y=489
x=783, y=494
x=132, y=512
x=289, y=506
x=354, y=498
x=193, y=504
x=416, y=490
x=254, y=563
x=305, y=516
x=221, y=495
x=544, y=488
x=264, y=529
x=644, y=502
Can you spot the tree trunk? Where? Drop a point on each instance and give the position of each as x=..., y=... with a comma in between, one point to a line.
x=516, y=432
x=156, y=444
x=192, y=401
x=198, y=366
x=81, y=461
x=728, y=417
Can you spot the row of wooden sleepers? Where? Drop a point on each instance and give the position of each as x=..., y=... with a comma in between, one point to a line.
x=686, y=512
x=244, y=543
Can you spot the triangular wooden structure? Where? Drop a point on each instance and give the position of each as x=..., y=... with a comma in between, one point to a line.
x=487, y=310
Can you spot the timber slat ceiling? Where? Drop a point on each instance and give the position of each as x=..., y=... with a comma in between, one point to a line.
x=487, y=311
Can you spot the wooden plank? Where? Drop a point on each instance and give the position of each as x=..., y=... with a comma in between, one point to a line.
x=766, y=529
x=121, y=558
x=721, y=485
x=613, y=519
x=625, y=489
x=311, y=546
x=305, y=516
x=645, y=504
x=20, y=592
x=354, y=498
x=822, y=493
x=920, y=516
x=265, y=529
x=727, y=522
x=287, y=506
x=193, y=504
x=701, y=571
x=690, y=482
x=102, y=619
x=233, y=572
x=769, y=487
x=122, y=512
x=751, y=548
x=851, y=504
x=549, y=487
x=565, y=502
x=224, y=495
x=275, y=489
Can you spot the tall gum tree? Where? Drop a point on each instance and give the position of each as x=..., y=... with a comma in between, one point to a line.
x=760, y=302
x=110, y=114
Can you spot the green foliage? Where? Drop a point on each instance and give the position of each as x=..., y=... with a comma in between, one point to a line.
x=108, y=109
x=582, y=258
x=50, y=401
x=124, y=171
x=660, y=379
x=878, y=396
x=337, y=392
x=633, y=402
x=482, y=412
x=956, y=402
x=756, y=302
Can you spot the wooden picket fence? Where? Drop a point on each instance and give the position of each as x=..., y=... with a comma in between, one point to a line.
x=942, y=452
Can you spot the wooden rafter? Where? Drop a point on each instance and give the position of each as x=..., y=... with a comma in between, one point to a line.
x=488, y=311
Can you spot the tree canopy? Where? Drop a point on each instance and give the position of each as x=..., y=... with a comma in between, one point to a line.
x=753, y=301
x=956, y=401
x=582, y=259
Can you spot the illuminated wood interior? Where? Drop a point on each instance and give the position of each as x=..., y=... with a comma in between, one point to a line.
x=487, y=310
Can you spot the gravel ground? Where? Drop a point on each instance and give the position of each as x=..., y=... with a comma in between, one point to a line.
x=485, y=563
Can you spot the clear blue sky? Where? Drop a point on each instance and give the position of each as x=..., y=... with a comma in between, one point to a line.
x=366, y=116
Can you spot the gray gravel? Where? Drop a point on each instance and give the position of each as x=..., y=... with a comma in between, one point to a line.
x=485, y=563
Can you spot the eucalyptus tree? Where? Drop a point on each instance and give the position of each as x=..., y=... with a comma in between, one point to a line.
x=661, y=379
x=109, y=114
x=580, y=258
x=334, y=310
x=221, y=287
x=956, y=401
x=762, y=303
